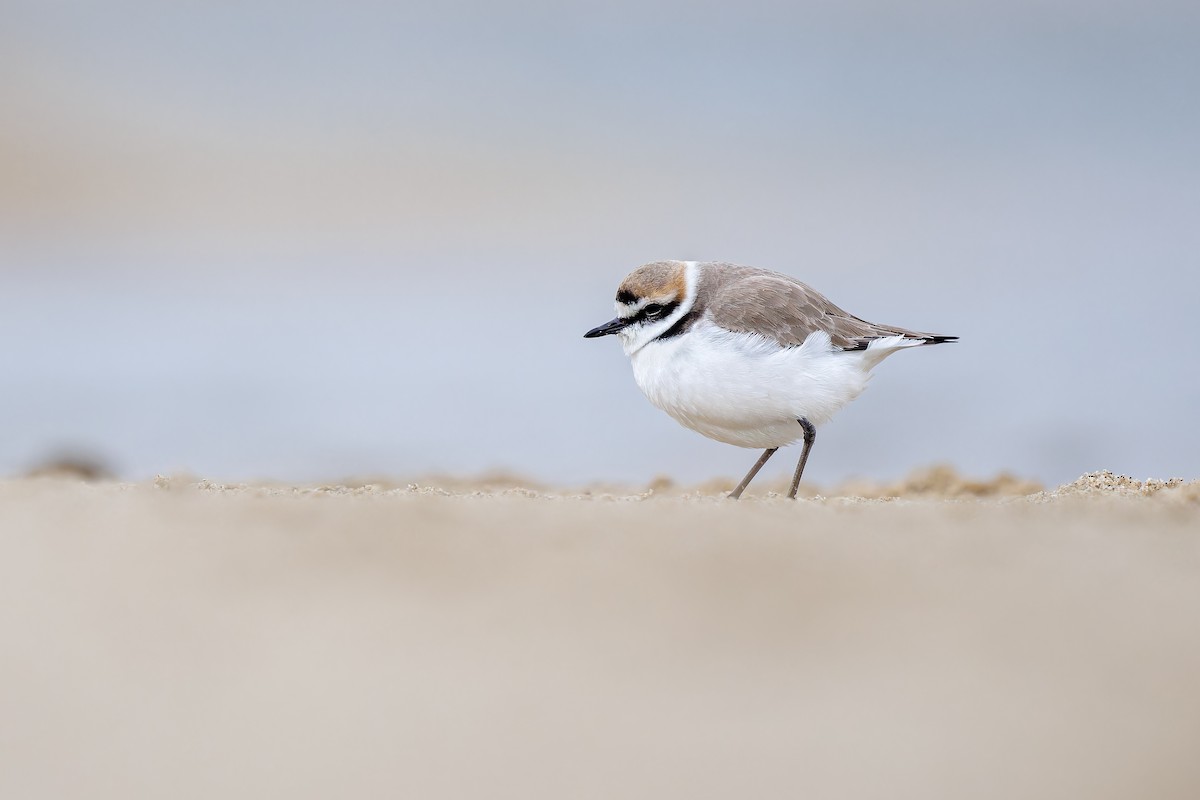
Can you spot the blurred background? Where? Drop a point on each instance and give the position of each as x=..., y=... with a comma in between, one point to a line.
x=307, y=240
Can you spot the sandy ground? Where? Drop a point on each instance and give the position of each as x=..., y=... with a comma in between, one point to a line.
x=185, y=639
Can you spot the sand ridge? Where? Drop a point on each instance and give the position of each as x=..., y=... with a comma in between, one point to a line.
x=932, y=484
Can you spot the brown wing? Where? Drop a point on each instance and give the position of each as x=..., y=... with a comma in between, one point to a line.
x=782, y=308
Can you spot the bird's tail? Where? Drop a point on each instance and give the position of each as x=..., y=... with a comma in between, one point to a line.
x=876, y=349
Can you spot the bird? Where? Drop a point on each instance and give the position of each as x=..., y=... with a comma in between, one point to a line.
x=747, y=356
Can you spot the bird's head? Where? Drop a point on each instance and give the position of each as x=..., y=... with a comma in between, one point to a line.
x=650, y=301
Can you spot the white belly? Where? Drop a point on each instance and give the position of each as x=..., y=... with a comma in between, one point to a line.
x=745, y=390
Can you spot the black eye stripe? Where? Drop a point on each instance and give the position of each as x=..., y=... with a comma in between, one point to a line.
x=667, y=310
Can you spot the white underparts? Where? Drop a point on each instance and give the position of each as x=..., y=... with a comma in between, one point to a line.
x=747, y=390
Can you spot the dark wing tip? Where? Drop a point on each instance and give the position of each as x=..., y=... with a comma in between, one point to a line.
x=864, y=342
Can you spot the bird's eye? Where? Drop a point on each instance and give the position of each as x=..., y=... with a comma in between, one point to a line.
x=653, y=310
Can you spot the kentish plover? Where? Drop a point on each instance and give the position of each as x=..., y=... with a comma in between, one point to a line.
x=746, y=356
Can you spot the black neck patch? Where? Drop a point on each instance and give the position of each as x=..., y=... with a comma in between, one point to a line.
x=682, y=325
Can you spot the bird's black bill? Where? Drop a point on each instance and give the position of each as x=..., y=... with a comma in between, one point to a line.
x=608, y=328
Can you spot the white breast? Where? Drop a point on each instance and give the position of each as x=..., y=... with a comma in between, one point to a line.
x=746, y=390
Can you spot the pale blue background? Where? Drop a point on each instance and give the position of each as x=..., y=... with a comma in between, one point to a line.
x=312, y=240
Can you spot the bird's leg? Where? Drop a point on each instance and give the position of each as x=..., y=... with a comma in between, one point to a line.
x=810, y=436
x=736, y=493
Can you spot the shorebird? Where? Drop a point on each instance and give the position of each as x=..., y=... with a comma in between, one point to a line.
x=747, y=356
